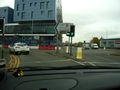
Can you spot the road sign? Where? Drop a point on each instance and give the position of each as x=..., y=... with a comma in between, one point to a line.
x=64, y=27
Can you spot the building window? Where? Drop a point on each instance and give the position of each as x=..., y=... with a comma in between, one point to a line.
x=23, y=15
x=30, y=4
x=35, y=3
x=18, y=14
x=32, y=14
x=4, y=10
x=42, y=12
x=47, y=4
x=17, y=7
x=42, y=4
x=23, y=6
x=50, y=13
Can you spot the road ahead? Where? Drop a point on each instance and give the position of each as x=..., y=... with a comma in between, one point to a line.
x=101, y=57
x=44, y=58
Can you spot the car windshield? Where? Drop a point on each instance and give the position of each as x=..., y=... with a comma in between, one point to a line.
x=60, y=33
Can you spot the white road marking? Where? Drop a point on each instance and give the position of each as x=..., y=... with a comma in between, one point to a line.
x=104, y=62
x=78, y=62
x=92, y=63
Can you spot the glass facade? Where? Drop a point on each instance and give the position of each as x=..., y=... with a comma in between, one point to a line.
x=43, y=28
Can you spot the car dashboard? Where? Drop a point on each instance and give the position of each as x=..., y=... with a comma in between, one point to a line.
x=75, y=79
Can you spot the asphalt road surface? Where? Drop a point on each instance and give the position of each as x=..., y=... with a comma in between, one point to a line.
x=102, y=57
x=44, y=58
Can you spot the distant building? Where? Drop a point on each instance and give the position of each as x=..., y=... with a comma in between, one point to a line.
x=7, y=13
x=110, y=43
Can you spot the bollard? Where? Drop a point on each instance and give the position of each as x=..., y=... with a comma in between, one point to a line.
x=59, y=48
x=67, y=49
x=79, y=54
x=104, y=48
x=55, y=48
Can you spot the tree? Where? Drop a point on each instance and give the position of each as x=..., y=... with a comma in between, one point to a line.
x=80, y=44
x=95, y=40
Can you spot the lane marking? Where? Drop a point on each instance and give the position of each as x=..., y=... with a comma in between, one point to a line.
x=105, y=62
x=18, y=63
x=13, y=63
x=78, y=62
x=92, y=63
x=16, y=60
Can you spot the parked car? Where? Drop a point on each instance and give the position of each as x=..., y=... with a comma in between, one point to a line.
x=19, y=48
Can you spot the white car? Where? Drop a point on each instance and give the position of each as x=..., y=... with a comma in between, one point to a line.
x=94, y=46
x=86, y=46
x=2, y=63
x=19, y=48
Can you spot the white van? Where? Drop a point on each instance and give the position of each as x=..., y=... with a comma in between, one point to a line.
x=94, y=46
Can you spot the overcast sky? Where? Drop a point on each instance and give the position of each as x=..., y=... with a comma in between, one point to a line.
x=99, y=18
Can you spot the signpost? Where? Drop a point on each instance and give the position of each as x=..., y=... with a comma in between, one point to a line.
x=69, y=30
x=71, y=34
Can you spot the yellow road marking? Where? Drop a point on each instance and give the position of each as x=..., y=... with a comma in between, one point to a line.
x=9, y=64
x=13, y=63
x=18, y=62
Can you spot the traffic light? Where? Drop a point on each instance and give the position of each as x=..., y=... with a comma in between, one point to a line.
x=71, y=33
x=72, y=30
x=68, y=33
x=1, y=25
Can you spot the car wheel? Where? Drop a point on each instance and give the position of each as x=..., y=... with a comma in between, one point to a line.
x=28, y=53
x=17, y=53
x=10, y=52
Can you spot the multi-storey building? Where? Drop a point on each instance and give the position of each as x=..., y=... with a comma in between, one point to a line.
x=7, y=14
x=34, y=22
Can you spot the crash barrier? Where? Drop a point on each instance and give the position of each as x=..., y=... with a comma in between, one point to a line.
x=5, y=46
x=79, y=53
x=34, y=47
x=47, y=47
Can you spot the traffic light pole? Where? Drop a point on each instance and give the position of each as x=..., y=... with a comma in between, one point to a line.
x=71, y=46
